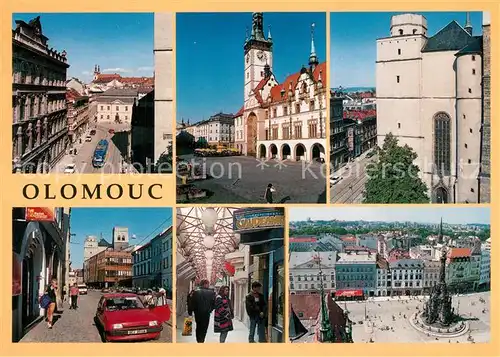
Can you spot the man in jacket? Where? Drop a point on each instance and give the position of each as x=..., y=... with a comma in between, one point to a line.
x=255, y=304
x=202, y=303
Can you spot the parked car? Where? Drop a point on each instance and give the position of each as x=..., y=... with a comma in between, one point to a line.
x=69, y=169
x=335, y=180
x=82, y=289
x=123, y=317
x=88, y=138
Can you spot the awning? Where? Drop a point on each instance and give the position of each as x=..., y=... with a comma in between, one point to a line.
x=349, y=293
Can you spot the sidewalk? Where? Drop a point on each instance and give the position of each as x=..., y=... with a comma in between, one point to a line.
x=238, y=335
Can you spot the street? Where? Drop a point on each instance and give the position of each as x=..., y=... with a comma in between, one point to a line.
x=242, y=179
x=351, y=187
x=238, y=335
x=78, y=326
x=380, y=311
x=118, y=143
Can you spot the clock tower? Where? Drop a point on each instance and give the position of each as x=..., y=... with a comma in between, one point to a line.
x=258, y=54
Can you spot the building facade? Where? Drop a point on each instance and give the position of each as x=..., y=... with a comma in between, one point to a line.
x=115, y=105
x=431, y=274
x=120, y=238
x=167, y=263
x=435, y=83
x=164, y=84
x=78, y=115
x=485, y=274
x=282, y=121
x=304, y=272
x=39, y=126
x=141, y=271
x=407, y=276
x=357, y=271
x=110, y=268
x=216, y=130
x=338, y=133
x=40, y=253
x=485, y=169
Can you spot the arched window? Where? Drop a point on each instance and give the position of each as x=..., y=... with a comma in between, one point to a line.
x=442, y=143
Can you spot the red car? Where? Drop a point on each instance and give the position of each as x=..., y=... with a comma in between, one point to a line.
x=123, y=317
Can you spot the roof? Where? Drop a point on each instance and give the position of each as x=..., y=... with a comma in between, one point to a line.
x=360, y=115
x=303, y=239
x=240, y=112
x=72, y=94
x=103, y=243
x=459, y=252
x=452, y=37
x=119, y=92
x=362, y=258
x=299, y=258
x=475, y=46
x=406, y=263
x=105, y=78
x=382, y=263
x=306, y=306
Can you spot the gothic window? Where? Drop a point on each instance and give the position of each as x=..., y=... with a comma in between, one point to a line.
x=442, y=145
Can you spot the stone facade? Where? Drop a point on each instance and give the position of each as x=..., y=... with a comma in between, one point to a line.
x=484, y=177
x=39, y=130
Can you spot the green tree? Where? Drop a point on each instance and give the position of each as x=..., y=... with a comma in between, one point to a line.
x=164, y=163
x=394, y=178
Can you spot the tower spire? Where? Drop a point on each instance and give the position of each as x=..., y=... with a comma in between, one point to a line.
x=258, y=26
x=313, y=58
x=468, y=24
x=269, y=37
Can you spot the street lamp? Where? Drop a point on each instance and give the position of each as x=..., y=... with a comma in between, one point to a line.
x=209, y=218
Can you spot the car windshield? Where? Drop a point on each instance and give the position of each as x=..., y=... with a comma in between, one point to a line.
x=123, y=303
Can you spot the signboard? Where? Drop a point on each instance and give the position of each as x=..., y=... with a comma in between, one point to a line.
x=16, y=275
x=40, y=214
x=255, y=219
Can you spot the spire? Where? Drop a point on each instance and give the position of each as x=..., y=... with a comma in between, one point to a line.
x=313, y=58
x=326, y=327
x=468, y=24
x=269, y=37
x=258, y=26
x=246, y=34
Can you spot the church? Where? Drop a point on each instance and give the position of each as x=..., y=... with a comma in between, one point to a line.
x=283, y=121
x=433, y=95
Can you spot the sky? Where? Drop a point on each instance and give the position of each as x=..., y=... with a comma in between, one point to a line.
x=141, y=222
x=210, y=57
x=451, y=215
x=118, y=42
x=353, y=39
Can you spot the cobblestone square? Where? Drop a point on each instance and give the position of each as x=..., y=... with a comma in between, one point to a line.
x=244, y=180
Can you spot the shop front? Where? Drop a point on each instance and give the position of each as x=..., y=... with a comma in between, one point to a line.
x=262, y=230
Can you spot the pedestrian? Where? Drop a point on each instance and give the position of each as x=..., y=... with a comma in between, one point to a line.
x=74, y=292
x=51, y=291
x=202, y=303
x=268, y=195
x=161, y=300
x=149, y=298
x=223, y=316
x=256, y=310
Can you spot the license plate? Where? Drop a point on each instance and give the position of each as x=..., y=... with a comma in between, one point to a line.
x=136, y=332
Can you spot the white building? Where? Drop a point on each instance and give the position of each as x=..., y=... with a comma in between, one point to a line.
x=407, y=276
x=304, y=271
x=280, y=120
x=485, y=275
x=429, y=96
x=431, y=274
x=383, y=279
x=217, y=130
x=115, y=105
x=93, y=246
x=164, y=110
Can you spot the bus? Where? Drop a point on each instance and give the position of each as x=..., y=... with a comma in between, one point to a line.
x=100, y=153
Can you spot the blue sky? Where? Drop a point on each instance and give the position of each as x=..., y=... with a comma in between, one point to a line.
x=353, y=42
x=118, y=42
x=452, y=215
x=210, y=58
x=94, y=221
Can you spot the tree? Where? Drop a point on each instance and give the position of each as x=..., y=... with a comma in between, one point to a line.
x=394, y=178
x=164, y=163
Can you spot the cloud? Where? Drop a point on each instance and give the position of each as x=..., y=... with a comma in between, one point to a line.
x=145, y=69
x=116, y=70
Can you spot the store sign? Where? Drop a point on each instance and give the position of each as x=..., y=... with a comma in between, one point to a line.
x=252, y=219
x=16, y=275
x=40, y=214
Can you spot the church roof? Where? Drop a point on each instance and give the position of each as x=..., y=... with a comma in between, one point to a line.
x=452, y=37
x=475, y=46
x=103, y=243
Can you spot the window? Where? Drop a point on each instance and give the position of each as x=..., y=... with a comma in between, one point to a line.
x=107, y=117
x=473, y=71
x=262, y=74
x=473, y=57
x=108, y=107
x=126, y=108
x=285, y=110
x=465, y=146
x=470, y=130
x=414, y=31
x=469, y=161
x=442, y=146
x=399, y=51
x=102, y=107
x=400, y=32
x=117, y=108
x=102, y=116
x=275, y=113
x=470, y=90
x=297, y=108
x=399, y=125
x=397, y=79
x=311, y=105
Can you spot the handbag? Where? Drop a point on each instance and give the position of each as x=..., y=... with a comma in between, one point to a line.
x=45, y=301
x=188, y=326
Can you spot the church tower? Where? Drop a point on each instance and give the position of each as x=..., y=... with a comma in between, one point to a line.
x=258, y=53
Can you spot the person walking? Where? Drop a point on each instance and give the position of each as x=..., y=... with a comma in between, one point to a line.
x=74, y=292
x=51, y=291
x=255, y=305
x=202, y=304
x=268, y=195
x=223, y=316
